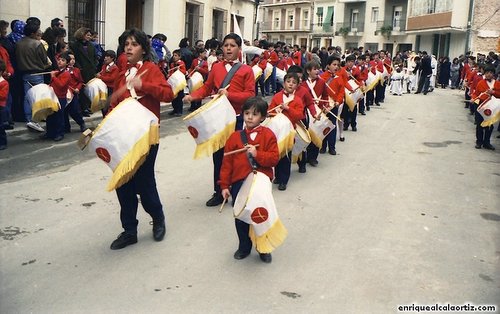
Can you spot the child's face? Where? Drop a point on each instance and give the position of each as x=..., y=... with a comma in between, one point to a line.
x=108, y=60
x=176, y=57
x=133, y=50
x=220, y=57
x=349, y=64
x=290, y=85
x=361, y=62
x=488, y=75
x=252, y=118
x=203, y=55
x=231, y=50
x=334, y=66
x=313, y=73
x=72, y=61
x=61, y=63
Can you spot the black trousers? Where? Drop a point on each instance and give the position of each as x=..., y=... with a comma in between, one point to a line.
x=143, y=183
x=283, y=169
x=242, y=228
x=483, y=134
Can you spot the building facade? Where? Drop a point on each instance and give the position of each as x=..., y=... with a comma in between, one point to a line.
x=177, y=19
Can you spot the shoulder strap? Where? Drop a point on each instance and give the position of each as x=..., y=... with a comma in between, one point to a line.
x=230, y=74
x=252, y=160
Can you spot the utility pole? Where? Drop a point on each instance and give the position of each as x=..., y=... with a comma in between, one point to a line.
x=469, y=27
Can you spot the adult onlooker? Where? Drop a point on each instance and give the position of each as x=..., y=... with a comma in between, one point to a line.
x=31, y=59
x=444, y=72
x=186, y=53
x=85, y=60
x=455, y=73
x=56, y=23
x=53, y=37
x=99, y=51
x=425, y=74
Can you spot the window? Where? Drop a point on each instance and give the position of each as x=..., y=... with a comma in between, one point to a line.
x=85, y=13
x=374, y=14
x=319, y=13
x=218, y=24
x=354, y=20
x=328, y=22
x=397, y=17
x=290, y=19
x=422, y=7
x=276, y=19
x=305, y=15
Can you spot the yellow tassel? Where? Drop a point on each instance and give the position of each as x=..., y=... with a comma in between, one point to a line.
x=179, y=87
x=129, y=165
x=286, y=144
x=215, y=143
x=43, y=108
x=491, y=121
x=350, y=104
x=316, y=140
x=270, y=240
x=99, y=101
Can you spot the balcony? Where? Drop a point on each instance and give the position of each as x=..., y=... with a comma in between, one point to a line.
x=346, y=29
x=276, y=27
x=271, y=3
x=392, y=27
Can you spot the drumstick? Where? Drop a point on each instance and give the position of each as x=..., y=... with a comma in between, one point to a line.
x=238, y=150
x=173, y=68
x=279, y=106
x=222, y=206
x=41, y=73
x=329, y=111
x=123, y=88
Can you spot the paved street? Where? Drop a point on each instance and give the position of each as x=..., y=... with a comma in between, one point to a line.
x=407, y=212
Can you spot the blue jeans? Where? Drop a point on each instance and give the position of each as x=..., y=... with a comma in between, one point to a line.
x=29, y=81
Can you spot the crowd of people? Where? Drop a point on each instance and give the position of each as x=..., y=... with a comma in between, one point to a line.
x=306, y=87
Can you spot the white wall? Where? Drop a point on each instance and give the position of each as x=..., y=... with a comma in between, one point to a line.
x=115, y=22
x=457, y=45
x=22, y=9
x=426, y=43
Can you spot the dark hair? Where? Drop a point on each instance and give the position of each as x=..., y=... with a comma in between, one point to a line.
x=257, y=103
x=362, y=57
x=236, y=38
x=489, y=68
x=295, y=69
x=184, y=42
x=55, y=22
x=177, y=52
x=110, y=53
x=33, y=20
x=142, y=39
x=332, y=58
x=219, y=52
x=291, y=75
x=30, y=28
x=4, y=24
x=13, y=24
x=65, y=56
x=3, y=66
x=350, y=58
x=311, y=65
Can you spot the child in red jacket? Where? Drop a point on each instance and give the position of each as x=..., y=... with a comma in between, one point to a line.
x=60, y=80
x=261, y=155
x=4, y=93
x=73, y=107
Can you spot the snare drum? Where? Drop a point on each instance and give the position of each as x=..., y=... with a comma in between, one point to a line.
x=43, y=101
x=97, y=91
x=257, y=72
x=319, y=129
x=211, y=125
x=372, y=80
x=195, y=82
x=268, y=71
x=352, y=98
x=255, y=206
x=490, y=111
x=302, y=140
x=280, y=75
x=283, y=130
x=177, y=81
x=123, y=138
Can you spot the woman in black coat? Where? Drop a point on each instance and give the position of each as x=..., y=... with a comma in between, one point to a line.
x=84, y=51
x=444, y=72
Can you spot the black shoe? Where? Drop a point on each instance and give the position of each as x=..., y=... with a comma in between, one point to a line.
x=302, y=169
x=332, y=152
x=489, y=146
x=123, y=240
x=266, y=257
x=282, y=186
x=159, y=230
x=171, y=113
x=86, y=113
x=425, y=93
x=478, y=146
x=345, y=128
x=216, y=199
x=8, y=127
x=322, y=151
x=58, y=138
x=362, y=113
x=2, y=147
x=342, y=139
x=417, y=93
x=354, y=129
x=313, y=163
x=83, y=127
x=178, y=114
x=377, y=103
x=240, y=254
x=367, y=108
x=275, y=181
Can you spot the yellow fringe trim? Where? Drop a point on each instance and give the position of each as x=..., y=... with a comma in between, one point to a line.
x=214, y=143
x=270, y=240
x=99, y=102
x=286, y=144
x=296, y=158
x=316, y=140
x=491, y=121
x=131, y=162
x=372, y=85
x=43, y=108
x=179, y=88
x=350, y=104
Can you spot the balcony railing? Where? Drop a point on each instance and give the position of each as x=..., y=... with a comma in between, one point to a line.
x=298, y=26
x=398, y=25
x=349, y=28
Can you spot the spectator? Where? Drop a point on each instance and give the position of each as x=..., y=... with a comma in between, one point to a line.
x=186, y=53
x=444, y=72
x=455, y=73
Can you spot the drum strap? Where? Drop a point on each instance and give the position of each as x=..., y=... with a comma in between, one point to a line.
x=252, y=160
x=230, y=74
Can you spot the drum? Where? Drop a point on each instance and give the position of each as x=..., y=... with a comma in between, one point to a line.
x=302, y=140
x=490, y=111
x=268, y=71
x=319, y=129
x=195, y=82
x=97, y=91
x=352, y=98
x=385, y=73
x=43, y=102
x=177, y=81
x=280, y=76
x=372, y=80
x=255, y=206
x=283, y=130
x=69, y=96
x=123, y=138
x=211, y=125
x=257, y=72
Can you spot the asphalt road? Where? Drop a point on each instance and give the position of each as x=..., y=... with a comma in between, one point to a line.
x=408, y=212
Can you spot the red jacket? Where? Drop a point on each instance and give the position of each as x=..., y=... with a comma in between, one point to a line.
x=181, y=67
x=273, y=57
x=236, y=167
x=360, y=73
x=306, y=95
x=203, y=67
x=320, y=90
x=60, y=83
x=155, y=88
x=121, y=62
x=297, y=58
x=242, y=85
x=4, y=55
x=482, y=87
x=465, y=71
x=474, y=81
x=295, y=112
x=76, y=79
x=4, y=92
x=344, y=75
x=109, y=75
x=335, y=87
